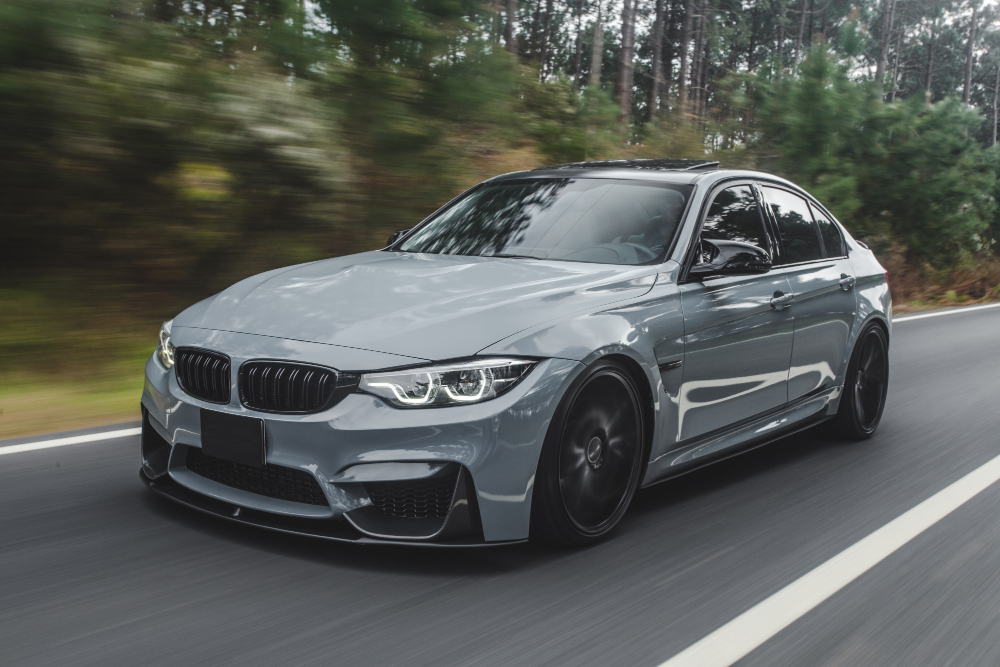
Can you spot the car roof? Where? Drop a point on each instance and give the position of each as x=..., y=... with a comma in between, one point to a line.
x=667, y=170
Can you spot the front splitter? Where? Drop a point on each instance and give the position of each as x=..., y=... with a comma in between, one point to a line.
x=327, y=529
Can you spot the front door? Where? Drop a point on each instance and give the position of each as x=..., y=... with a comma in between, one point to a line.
x=737, y=330
x=822, y=282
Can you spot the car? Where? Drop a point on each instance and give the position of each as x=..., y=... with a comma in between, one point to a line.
x=518, y=364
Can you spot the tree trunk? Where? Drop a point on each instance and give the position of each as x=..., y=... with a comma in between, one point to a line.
x=781, y=35
x=809, y=31
x=669, y=49
x=578, y=54
x=496, y=23
x=930, y=61
x=597, y=50
x=996, y=94
x=703, y=79
x=623, y=89
x=969, y=56
x=657, y=70
x=751, y=49
x=508, y=31
x=706, y=28
x=682, y=93
x=536, y=20
x=888, y=9
x=543, y=54
x=802, y=27
x=895, y=66
x=696, y=60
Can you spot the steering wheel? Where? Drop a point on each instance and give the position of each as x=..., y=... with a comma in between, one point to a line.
x=642, y=253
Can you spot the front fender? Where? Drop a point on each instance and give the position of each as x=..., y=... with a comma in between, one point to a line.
x=645, y=331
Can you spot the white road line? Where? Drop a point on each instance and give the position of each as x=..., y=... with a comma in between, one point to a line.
x=939, y=313
x=72, y=440
x=743, y=634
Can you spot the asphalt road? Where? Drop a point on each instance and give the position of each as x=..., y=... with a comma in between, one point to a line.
x=95, y=570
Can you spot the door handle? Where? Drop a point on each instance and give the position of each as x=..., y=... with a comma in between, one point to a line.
x=781, y=300
x=847, y=282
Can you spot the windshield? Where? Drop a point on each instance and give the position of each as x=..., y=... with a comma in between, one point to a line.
x=579, y=219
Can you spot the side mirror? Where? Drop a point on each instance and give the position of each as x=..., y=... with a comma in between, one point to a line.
x=730, y=258
x=396, y=236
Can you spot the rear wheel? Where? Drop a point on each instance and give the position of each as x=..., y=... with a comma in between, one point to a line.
x=865, y=386
x=591, y=460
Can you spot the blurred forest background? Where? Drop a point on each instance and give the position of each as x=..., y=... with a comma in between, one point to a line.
x=154, y=151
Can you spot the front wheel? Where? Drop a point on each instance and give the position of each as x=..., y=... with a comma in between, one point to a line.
x=591, y=461
x=865, y=386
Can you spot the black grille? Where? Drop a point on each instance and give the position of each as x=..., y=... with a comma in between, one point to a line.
x=271, y=480
x=415, y=498
x=277, y=386
x=203, y=374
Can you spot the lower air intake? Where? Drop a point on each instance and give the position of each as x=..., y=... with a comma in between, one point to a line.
x=428, y=498
x=271, y=481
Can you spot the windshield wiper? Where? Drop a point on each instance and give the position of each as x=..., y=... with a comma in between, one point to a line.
x=505, y=256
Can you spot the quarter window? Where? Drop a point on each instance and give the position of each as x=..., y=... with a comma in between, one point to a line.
x=735, y=216
x=799, y=234
x=832, y=239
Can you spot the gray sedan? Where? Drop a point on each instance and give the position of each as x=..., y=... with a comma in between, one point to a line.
x=522, y=361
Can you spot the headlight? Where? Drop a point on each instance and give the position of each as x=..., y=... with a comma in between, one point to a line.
x=451, y=384
x=165, y=350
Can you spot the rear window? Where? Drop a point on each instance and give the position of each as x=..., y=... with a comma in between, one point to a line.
x=833, y=241
x=799, y=234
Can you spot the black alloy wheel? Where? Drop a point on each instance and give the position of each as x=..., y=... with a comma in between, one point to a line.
x=865, y=386
x=592, y=458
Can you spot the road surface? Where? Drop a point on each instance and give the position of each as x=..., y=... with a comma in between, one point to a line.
x=96, y=570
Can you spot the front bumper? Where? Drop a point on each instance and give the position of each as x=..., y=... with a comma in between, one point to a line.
x=494, y=446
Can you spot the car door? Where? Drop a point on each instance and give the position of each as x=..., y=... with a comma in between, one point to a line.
x=814, y=255
x=737, y=332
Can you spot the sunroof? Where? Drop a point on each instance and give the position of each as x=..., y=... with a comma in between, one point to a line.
x=655, y=164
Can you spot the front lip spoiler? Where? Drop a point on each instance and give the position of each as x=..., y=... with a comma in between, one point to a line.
x=327, y=529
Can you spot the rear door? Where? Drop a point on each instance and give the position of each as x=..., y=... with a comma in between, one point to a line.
x=737, y=344
x=822, y=283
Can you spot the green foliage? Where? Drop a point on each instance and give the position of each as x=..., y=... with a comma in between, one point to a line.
x=167, y=148
x=909, y=170
x=570, y=126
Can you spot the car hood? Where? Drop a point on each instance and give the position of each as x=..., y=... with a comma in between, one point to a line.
x=422, y=306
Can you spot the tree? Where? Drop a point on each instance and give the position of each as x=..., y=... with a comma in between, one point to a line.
x=623, y=87
x=888, y=12
x=597, y=50
x=682, y=89
x=508, y=33
x=969, y=56
x=656, y=69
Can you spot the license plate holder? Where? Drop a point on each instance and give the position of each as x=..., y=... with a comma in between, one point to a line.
x=233, y=437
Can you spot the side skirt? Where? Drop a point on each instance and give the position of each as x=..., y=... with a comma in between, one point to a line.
x=801, y=415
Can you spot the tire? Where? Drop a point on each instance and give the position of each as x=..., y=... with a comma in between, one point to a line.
x=591, y=461
x=865, y=386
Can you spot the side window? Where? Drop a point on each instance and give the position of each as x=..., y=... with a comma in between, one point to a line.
x=832, y=239
x=735, y=216
x=799, y=235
